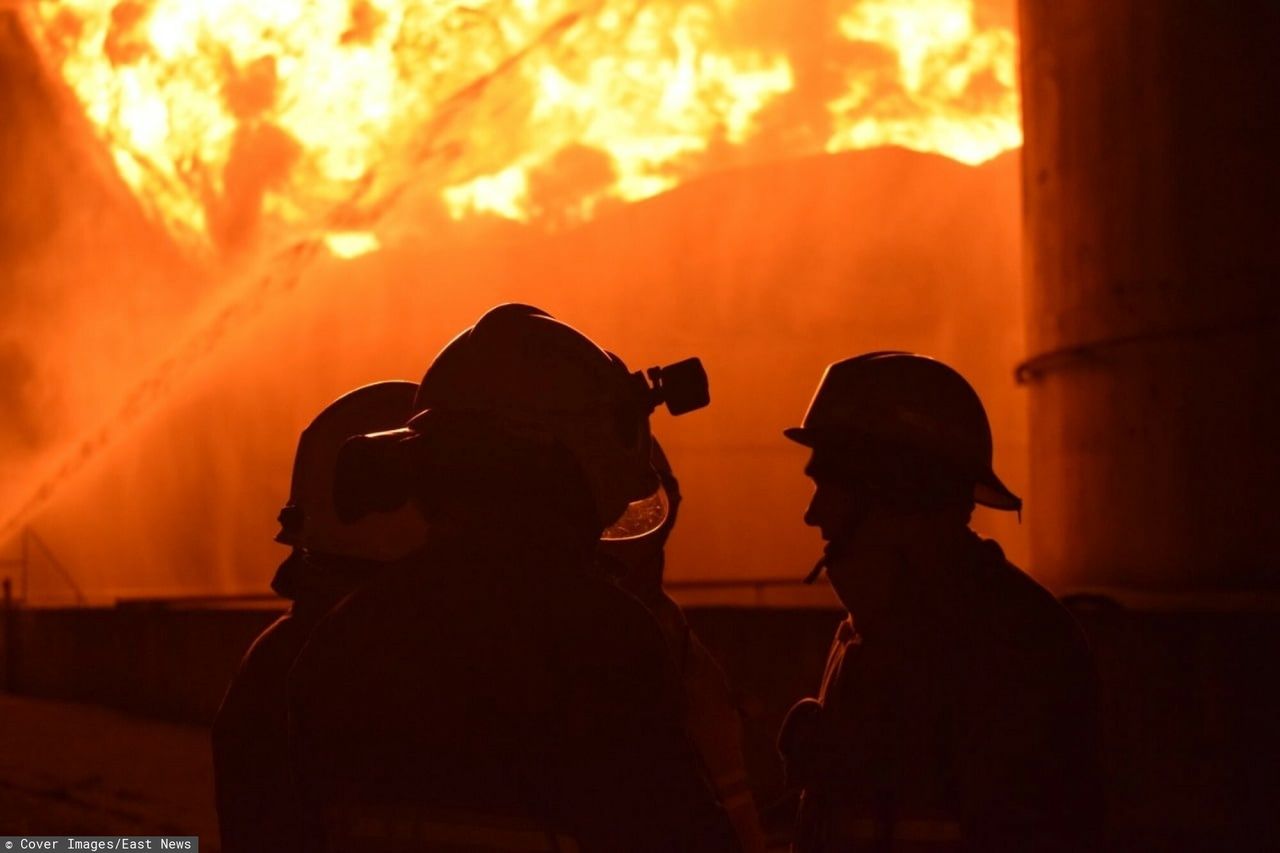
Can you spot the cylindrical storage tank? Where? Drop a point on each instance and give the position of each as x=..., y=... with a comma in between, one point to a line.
x=1152, y=254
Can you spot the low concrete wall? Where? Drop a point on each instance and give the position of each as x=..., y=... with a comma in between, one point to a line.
x=154, y=660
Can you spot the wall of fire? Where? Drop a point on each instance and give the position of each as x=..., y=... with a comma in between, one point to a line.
x=218, y=217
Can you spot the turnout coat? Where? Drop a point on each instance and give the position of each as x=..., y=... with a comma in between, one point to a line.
x=966, y=720
x=493, y=696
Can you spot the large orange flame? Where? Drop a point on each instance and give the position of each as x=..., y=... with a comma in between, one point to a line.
x=955, y=87
x=231, y=117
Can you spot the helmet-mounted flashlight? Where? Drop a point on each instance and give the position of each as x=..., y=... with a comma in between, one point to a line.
x=682, y=387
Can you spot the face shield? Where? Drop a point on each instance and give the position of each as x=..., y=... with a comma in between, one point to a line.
x=682, y=388
x=640, y=519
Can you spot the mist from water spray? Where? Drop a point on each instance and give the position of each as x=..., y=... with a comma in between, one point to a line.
x=282, y=275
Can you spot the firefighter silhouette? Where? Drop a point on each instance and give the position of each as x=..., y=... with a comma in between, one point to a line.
x=330, y=558
x=958, y=709
x=495, y=691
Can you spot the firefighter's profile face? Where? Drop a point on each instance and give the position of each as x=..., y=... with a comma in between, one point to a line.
x=842, y=507
x=837, y=506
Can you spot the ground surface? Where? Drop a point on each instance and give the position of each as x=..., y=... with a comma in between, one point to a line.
x=77, y=769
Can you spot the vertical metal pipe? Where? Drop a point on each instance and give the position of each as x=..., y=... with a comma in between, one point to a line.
x=1152, y=253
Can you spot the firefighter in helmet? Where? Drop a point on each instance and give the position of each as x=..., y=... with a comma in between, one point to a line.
x=329, y=559
x=712, y=716
x=958, y=708
x=496, y=691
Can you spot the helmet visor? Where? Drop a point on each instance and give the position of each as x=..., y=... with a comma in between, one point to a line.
x=640, y=519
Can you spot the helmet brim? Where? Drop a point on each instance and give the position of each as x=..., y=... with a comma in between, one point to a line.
x=800, y=435
x=992, y=493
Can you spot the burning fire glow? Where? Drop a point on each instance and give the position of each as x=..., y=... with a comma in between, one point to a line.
x=956, y=87
x=230, y=117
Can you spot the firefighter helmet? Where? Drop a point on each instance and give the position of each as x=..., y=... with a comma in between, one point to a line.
x=544, y=380
x=310, y=519
x=912, y=401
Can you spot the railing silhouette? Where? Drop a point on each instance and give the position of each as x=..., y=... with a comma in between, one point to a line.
x=751, y=592
x=35, y=552
x=32, y=546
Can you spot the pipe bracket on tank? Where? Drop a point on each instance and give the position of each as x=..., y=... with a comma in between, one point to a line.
x=1048, y=362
